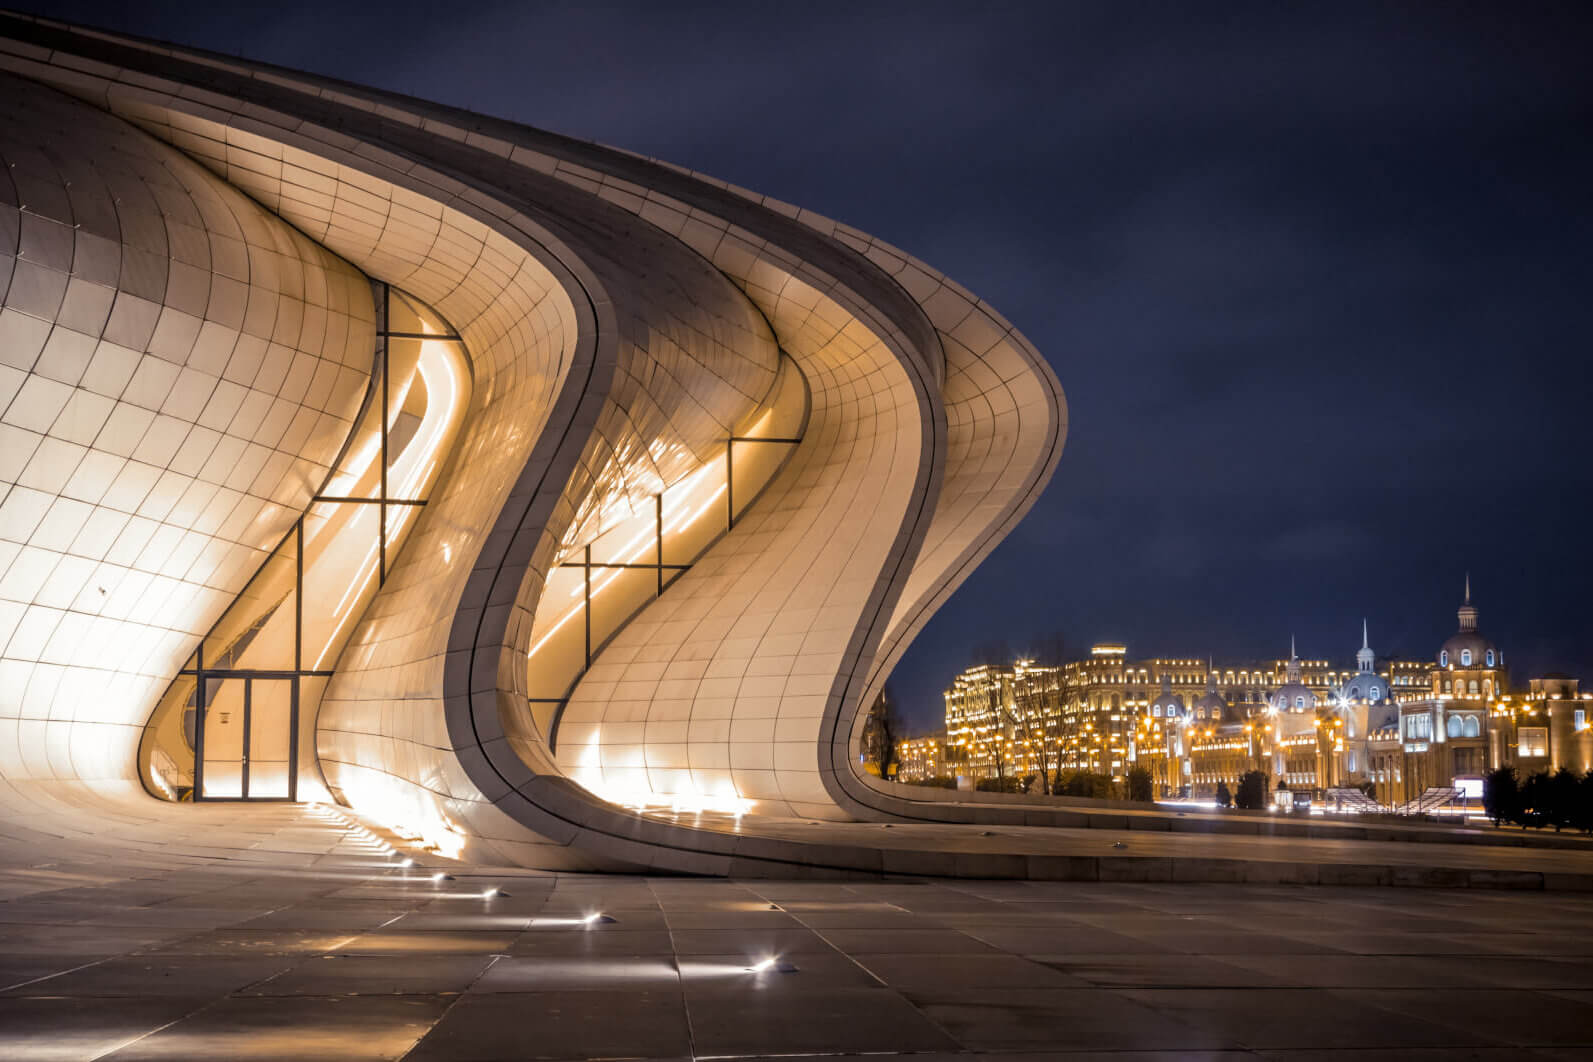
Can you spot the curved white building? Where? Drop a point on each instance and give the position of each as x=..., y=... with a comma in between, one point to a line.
x=520, y=493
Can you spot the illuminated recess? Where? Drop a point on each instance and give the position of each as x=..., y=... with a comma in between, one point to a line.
x=594, y=590
x=238, y=720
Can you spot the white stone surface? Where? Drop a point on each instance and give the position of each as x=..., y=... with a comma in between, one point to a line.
x=178, y=368
x=934, y=426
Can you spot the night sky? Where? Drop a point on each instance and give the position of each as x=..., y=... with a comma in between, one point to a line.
x=1316, y=279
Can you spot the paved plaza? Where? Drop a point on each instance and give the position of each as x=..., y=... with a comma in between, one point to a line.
x=315, y=941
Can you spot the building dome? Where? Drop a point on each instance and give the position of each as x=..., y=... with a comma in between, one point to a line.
x=1293, y=695
x=1167, y=703
x=1366, y=684
x=1365, y=687
x=1468, y=648
x=1210, y=706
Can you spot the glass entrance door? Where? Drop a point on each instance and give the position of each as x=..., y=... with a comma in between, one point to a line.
x=247, y=736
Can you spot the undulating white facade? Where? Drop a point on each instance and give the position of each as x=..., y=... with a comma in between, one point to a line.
x=687, y=467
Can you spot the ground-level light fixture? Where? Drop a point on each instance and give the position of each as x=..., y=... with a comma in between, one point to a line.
x=772, y=963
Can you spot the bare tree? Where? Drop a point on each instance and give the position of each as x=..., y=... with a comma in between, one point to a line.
x=1037, y=715
x=881, y=732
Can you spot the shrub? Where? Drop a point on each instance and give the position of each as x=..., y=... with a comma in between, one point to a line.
x=1536, y=803
x=1075, y=783
x=1561, y=799
x=939, y=781
x=1562, y=789
x=1252, y=791
x=1582, y=810
x=1501, y=795
x=1224, y=798
x=1008, y=784
x=1139, y=785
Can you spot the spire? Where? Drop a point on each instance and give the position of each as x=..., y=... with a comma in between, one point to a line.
x=1293, y=673
x=1365, y=660
x=1366, y=641
x=1468, y=611
x=1292, y=654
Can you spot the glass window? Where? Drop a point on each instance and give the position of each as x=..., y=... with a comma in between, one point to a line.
x=1490, y=658
x=1443, y=658
x=1465, y=658
x=1534, y=741
x=299, y=609
x=1473, y=727
x=1453, y=726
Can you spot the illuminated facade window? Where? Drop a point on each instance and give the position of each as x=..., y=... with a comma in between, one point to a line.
x=230, y=727
x=595, y=589
x=1534, y=741
x=1465, y=658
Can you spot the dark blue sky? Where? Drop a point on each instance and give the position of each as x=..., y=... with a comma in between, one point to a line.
x=1316, y=278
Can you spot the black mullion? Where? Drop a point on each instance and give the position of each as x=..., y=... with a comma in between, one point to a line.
x=611, y=564
x=658, y=536
x=298, y=595
x=293, y=740
x=250, y=672
x=381, y=531
x=423, y=335
x=586, y=605
x=199, y=724
x=342, y=500
x=730, y=485
x=243, y=785
x=757, y=439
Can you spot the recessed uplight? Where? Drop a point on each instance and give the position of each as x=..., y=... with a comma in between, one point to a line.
x=773, y=964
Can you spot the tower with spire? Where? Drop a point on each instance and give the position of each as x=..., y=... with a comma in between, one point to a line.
x=1294, y=695
x=1366, y=685
x=1468, y=611
x=1365, y=659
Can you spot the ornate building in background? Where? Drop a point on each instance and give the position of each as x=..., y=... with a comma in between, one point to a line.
x=1400, y=731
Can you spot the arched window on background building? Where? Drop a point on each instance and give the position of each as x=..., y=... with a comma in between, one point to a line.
x=1490, y=658
x=1443, y=658
x=1454, y=726
x=1465, y=658
x=1473, y=726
